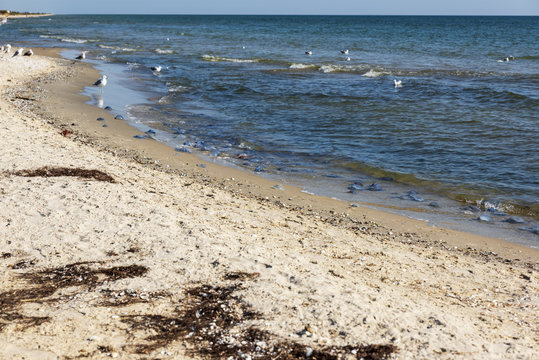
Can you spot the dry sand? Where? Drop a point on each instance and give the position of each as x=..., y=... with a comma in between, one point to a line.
x=168, y=259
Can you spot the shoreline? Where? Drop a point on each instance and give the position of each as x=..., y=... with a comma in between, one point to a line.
x=22, y=16
x=396, y=197
x=318, y=273
x=119, y=135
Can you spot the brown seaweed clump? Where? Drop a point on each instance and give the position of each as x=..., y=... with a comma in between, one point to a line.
x=48, y=171
x=47, y=282
x=213, y=320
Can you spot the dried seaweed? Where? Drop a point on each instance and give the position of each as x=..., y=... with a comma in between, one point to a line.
x=239, y=275
x=212, y=320
x=115, y=298
x=48, y=281
x=64, y=171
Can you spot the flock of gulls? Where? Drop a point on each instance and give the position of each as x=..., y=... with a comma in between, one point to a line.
x=396, y=83
x=6, y=49
x=102, y=82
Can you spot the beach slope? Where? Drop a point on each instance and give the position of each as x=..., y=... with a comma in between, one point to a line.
x=103, y=255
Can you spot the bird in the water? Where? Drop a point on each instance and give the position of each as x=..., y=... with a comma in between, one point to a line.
x=28, y=52
x=82, y=56
x=156, y=68
x=345, y=51
x=397, y=83
x=101, y=83
x=18, y=52
x=507, y=59
x=348, y=59
x=308, y=52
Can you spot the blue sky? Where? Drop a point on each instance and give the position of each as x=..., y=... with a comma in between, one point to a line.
x=340, y=7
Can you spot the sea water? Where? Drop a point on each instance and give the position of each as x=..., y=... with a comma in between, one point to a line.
x=241, y=90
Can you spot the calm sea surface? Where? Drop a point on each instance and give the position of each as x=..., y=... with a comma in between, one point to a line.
x=463, y=126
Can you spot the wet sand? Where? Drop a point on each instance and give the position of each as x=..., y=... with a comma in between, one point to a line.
x=180, y=258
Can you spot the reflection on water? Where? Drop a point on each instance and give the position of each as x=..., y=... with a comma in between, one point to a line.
x=98, y=99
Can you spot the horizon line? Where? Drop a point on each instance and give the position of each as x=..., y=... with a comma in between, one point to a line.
x=232, y=14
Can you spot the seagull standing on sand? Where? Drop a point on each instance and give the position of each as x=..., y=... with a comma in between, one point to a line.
x=18, y=52
x=101, y=83
x=28, y=52
x=397, y=83
x=7, y=48
x=82, y=56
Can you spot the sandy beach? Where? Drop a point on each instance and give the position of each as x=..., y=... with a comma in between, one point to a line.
x=115, y=247
x=23, y=16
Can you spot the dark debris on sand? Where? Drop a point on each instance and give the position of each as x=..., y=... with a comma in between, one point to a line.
x=213, y=321
x=64, y=171
x=47, y=282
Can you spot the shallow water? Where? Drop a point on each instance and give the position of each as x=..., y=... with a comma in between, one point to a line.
x=462, y=127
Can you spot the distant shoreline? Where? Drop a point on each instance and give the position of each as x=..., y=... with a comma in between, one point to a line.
x=19, y=16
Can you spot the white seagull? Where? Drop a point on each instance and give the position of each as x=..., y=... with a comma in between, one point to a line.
x=308, y=52
x=156, y=68
x=397, y=83
x=82, y=56
x=28, y=52
x=345, y=51
x=348, y=59
x=7, y=48
x=101, y=83
x=18, y=52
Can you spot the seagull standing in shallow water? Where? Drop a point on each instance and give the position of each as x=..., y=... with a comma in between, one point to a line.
x=397, y=83
x=101, y=83
x=82, y=56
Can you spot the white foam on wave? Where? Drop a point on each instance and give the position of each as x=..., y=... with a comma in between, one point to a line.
x=70, y=40
x=212, y=58
x=302, y=66
x=177, y=89
x=164, y=52
x=373, y=73
x=164, y=100
x=76, y=41
x=132, y=65
x=117, y=48
x=330, y=68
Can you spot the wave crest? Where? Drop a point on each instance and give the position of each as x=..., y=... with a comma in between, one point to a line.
x=212, y=58
x=117, y=48
x=164, y=51
x=302, y=66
